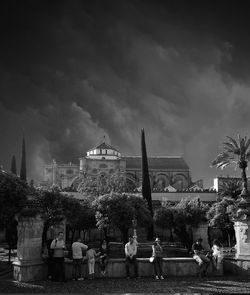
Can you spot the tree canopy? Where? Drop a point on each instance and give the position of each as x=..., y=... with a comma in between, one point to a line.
x=118, y=210
x=13, y=196
x=164, y=218
x=220, y=216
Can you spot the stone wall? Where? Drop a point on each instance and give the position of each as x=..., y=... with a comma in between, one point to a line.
x=179, y=266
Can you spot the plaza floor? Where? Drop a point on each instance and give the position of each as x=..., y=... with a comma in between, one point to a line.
x=187, y=285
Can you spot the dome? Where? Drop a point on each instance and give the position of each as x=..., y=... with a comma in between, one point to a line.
x=103, y=151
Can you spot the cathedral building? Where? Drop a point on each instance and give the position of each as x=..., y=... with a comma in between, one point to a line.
x=105, y=161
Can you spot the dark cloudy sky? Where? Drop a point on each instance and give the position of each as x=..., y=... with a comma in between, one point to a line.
x=73, y=71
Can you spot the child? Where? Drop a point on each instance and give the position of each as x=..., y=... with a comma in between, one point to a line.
x=91, y=255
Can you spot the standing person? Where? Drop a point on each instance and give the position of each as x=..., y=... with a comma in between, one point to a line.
x=130, y=253
x=157, y=253
x=91, y=256
x=103, y=256
x=217, y=254
x=58, y=247
x=200, y=257
x=77, y=248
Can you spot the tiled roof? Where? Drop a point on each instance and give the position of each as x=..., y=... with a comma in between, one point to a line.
x=104, y=146
x=173, y=163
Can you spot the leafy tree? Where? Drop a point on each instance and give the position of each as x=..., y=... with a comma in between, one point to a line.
x=79, y=215
x=23, y=173
x=230, y=189
x=188, y=212
x=97, y=185
x=118, y=210
x=13, y=165
x=146, y=189
x=13, y=199
x=50, y=204
x=220, y=216
x=56, y=207
x=86, y=219
x=164, y=218
x=236, y=152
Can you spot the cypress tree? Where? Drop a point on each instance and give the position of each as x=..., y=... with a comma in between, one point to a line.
x=13, y=165
x=146, y=188
x=23, y=163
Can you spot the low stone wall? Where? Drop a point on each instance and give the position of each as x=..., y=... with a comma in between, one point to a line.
x=172, y=267
x=236, y=266
x=178, y=266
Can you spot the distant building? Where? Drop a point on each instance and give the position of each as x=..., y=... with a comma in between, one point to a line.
x=105, y=160
x=220, y=181
x=59, y=174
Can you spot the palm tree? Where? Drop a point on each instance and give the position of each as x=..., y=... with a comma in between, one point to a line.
x=230, y=188
x=235, y=152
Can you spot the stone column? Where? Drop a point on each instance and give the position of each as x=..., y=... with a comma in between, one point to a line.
x=242, y=234
x=29, y=265
x=201, y=232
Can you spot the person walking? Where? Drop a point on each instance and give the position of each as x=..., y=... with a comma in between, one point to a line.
x=91, y=257
x=77, y=248
x=157, y=254
x=201, y=258
x=103, y=256
x=58, y=247
x=130, y=253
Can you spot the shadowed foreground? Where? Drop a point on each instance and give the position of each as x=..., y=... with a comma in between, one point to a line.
x=211, y=285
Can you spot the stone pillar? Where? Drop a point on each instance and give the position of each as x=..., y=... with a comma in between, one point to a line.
x=242, y=234
x=202, y=232
x=29, y=265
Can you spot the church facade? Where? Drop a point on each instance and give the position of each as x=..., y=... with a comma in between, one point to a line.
x=106, y=161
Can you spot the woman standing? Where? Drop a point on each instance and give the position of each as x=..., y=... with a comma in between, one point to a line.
x=158, y=255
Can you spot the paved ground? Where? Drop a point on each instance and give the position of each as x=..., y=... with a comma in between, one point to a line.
x=187, y=285
x=171, y=285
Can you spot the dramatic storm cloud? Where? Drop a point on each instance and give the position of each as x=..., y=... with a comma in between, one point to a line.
x=73, y=71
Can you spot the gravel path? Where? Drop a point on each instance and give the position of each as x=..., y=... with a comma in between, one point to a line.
x=187, y=285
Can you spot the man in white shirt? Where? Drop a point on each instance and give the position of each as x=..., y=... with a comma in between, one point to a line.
x=130, y=253
x=77, y=248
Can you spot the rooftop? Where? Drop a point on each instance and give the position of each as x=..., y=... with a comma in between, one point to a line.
x=104, y=146
x=172, y=163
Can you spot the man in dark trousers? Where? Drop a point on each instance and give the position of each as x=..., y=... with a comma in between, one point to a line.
x=130, y=253
x=58, y=247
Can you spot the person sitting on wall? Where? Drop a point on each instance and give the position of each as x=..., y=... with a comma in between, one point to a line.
x=200, y=256
x=217, y=254
x=58, y=247
x=104, y=251
x=130, y=253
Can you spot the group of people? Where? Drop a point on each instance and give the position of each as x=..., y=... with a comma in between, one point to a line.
x=204, y=258
x=81, y=252
x=55, y=253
